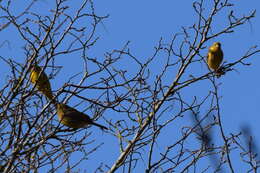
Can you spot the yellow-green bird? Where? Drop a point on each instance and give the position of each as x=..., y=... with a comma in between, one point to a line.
x=42, y=81
x=215, y=57
x=72, y=118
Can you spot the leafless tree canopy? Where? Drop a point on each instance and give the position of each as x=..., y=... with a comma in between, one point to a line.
x=148, y=97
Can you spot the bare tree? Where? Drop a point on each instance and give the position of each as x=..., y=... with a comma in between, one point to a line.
x=150, y=104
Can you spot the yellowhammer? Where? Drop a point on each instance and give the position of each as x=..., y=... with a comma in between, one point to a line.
x=42, y=81
x=70, y=117
x=215, y=57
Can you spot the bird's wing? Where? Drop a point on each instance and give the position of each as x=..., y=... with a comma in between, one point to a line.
x=208, y=54
x=221, y=55
x=75, y=114
x=68, y=108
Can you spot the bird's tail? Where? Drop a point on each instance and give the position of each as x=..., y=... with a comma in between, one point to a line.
x=219, y=72
x=49, y=95
x=100, y=126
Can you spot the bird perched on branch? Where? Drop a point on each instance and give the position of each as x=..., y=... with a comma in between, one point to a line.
x=41, y=80
x=71, y=117
x=215, y=57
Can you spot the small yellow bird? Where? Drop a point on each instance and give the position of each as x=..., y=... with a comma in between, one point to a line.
x=215, y=57
x=70, y=117
x=42, y=81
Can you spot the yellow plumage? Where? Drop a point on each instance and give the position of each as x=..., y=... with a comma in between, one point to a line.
x=70, y=117
x=215, y=57
x=42, y=81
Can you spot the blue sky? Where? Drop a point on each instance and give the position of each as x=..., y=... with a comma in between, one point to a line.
x=143, y=23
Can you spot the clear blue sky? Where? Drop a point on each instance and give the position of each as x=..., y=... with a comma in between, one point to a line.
x=144, y=23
